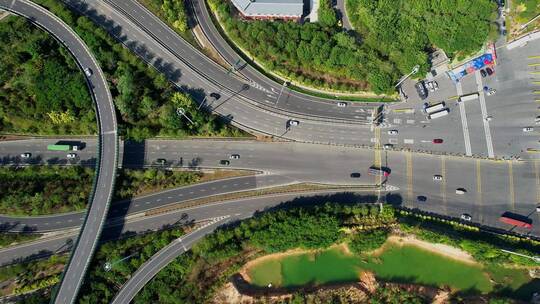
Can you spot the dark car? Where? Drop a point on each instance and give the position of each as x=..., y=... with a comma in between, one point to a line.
x=421, y=198
x=489, y=71
x=355, y=175
x=224, y=162
x=438, y=141
x=421, y=90
x=161, y=161
x=483, y=73
x=215, y=95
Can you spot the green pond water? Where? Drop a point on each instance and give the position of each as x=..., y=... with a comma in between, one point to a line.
x=397, y=264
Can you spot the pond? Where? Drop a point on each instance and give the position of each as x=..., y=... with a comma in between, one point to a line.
x=405, y=264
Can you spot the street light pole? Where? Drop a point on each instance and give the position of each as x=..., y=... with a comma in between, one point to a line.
x=414, y=70
x=180, y=111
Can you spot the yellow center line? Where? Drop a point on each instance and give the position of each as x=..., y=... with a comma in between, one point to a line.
x=408, y=156
x=443, y=183
x=479, y=188
x=511, y=194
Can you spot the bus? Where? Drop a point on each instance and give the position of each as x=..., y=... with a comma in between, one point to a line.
x=516, y=220
x=62, y=147
x=438, y=114
x=468, y=97
x=435, y=108
x=377, y=171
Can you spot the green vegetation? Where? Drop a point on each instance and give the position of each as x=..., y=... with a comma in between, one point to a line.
x=37, y=190
x=24, y=277
x=393, y=37
x=368, y=240
x=7, y=239
x=406, y=264
x=145, y=100
x=98, y=284
x=131, y=183
x=195, y=276
x=173, y=11
x=404, y=31
x=42, y=89
x=327, y=14
x=521, y=12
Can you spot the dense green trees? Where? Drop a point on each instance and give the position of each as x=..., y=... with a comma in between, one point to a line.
x=39, y=81
x=368, y=240
x=43, y=91
x=394, y=36
x=39, y=190
x=174, y=12
x=405, y=31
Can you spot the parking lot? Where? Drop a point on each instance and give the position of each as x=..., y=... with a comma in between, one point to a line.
x=489, y=126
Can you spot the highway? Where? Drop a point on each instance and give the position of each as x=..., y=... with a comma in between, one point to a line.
x=239, y=208
x=162, y=258
x=107, y=152
x=492, y=186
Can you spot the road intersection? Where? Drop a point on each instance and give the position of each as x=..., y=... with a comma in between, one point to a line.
x=342, y=134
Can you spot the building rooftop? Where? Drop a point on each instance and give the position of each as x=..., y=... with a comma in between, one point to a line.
x=277, y=8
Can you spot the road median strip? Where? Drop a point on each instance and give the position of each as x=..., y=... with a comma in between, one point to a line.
x=294, y=188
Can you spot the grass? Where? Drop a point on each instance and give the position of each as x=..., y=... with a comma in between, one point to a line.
x=404, y=264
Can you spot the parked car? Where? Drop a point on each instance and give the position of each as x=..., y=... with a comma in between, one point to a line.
x=461, y=191
x=538, y=208
x=537, y=120
x=393, y=132
x=437, y=177
x=293, y=122
x=488, y=118
x=435, y=85
x=466, y=217
x=342, y=104
x=26, y=155
x=483, y=73
x=430, y=87
x=71, y=155
x=437, y=141
x=224, y=162
x=161, y=161
x=528, y=129
x=421, y=198
x=421, y=90
x=355, y=175
x=88, y=72
x=489, y=71
x=388, y=146
x=234, y=156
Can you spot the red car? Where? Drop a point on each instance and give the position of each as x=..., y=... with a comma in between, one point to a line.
x=437, y=141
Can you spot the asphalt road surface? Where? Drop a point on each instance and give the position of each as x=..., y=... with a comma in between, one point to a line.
x=97, y=212
x=492, y=186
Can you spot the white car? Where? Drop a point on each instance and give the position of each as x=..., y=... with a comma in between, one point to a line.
x=71, y=155
x=460, y=191
x=430, y=86
x=488, y=118
x=435, y=85
x=88, y=72
x=466, y=217
x=341, y=104
x=294, y=122
x=491, y=92
x=26, y=155
x=234, y=156
x=388, y=146
x=538, y=208
x=528, y=129
x=537, y=120
x=393, y=132
x=437, y=177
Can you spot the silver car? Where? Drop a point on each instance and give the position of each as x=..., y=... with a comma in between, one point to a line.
x=466, y=217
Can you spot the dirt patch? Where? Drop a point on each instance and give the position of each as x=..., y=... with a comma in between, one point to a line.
x=222, y=174
x=442, y=249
